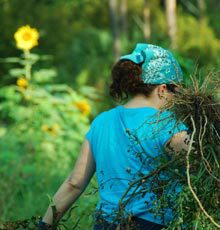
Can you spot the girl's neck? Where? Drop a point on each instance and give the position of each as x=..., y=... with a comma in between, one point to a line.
x=140, y=101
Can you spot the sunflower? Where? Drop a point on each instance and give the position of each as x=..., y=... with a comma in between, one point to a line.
x=22, y=82
x=83, y=107
x=45, y=127
x=26, y=37
x=52, y=130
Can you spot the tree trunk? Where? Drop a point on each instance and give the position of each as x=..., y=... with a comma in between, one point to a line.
x=113, y=8
x=147, y=28
x=123, y=17
x=202, y=8
x=171, y=21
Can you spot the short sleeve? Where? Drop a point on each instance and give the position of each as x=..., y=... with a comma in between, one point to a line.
x=94, y=133
x=91, y=136
x=94, y=127
x=169, y=126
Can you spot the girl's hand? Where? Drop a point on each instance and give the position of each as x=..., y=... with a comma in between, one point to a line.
x=43, y=226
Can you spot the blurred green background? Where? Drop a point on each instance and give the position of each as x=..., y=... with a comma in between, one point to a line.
x=44, y=116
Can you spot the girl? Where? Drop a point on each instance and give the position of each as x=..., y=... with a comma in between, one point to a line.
x=124, y=143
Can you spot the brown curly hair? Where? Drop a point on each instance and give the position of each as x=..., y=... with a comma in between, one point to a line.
x=126, y=81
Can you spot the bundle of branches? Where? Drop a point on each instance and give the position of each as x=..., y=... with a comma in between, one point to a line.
x=197, y=204
x=198, y=105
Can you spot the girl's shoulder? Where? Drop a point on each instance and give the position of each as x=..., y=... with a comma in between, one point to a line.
x=105, y=116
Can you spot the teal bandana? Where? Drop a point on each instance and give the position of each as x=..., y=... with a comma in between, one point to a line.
x=158, y=65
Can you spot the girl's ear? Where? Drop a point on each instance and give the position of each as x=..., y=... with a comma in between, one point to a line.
x=161, y=89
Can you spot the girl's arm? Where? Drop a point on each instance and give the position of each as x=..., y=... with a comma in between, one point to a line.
x=74, y=184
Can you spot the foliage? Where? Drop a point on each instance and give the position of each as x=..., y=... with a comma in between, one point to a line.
x=85, y=57
x=93, y=34
x=42, y=126
x=201, y=44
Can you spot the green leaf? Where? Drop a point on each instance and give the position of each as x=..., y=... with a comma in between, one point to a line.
x=10, y=60
x=17, y=72
x=44, y=75
x=3, y=131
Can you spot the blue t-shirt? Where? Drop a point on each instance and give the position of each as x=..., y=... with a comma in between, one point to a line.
x=126, y=144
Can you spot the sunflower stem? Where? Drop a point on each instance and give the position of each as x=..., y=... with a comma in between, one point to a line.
x=27, y=65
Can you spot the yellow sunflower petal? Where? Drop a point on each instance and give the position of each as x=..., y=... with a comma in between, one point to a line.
x=22, y=82
x=84, y=107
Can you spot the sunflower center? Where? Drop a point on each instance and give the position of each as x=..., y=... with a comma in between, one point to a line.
x=26, y=36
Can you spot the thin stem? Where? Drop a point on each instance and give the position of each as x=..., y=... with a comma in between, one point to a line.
x=138, y=182
x=27, y=65
x=189, y=180
x=205, y=161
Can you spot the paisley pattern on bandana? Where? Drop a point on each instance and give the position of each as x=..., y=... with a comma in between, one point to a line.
x=158, y=65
